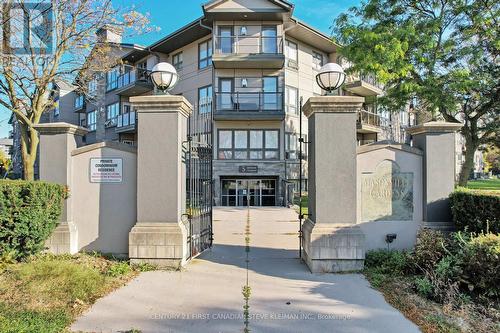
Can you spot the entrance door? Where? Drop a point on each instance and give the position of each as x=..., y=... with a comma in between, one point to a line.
x=226, y=39
x=269, y=40
x=269, y=90
x=226, y=87
x=248, y=192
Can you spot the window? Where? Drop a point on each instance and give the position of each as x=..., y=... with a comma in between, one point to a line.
x=112, y=112
x=317, y=60
x=248, y=144
x=91, y=120
x=205, y=99
x=291, y=146
x=79, y=101
x=291, y=100
x=205, y=54
x=291, y=53
x=177, y=61
x=93, y=86
x=112, y=79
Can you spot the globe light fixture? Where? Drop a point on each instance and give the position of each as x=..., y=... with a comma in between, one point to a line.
x=330, y=77
x=164, y=76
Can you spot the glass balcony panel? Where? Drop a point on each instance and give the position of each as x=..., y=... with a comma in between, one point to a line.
x=248, y=44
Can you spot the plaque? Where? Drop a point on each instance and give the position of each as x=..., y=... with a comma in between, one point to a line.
x=249, y=169
x=387, y=194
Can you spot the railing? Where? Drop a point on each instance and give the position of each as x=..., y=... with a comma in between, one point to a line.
x=368, y=118
x=249, y=102
x=134, y=75
x=368, y=78
x=248, y=45
x=126, y=119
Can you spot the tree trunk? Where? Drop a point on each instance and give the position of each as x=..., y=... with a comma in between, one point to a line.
x=470, y=149
x=29, y=149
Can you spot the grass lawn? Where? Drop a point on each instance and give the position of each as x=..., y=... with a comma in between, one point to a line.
x=484, y=184
x=46, y=293
x=432, y=317
x=305, y=201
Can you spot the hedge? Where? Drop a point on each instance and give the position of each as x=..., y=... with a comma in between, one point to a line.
x=29, y=212
x=476, y=211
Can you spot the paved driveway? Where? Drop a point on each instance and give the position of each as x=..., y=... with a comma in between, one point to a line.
x=285, y=296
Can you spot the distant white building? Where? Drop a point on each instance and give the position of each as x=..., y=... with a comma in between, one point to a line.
x=6, y=146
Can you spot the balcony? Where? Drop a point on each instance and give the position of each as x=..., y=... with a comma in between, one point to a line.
x=248, y=52
x=134, y=82
x=126, y=122
x=368, y=122
x=249, y=105
x=363, y=85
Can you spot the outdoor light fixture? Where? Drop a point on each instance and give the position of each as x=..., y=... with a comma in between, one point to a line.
x=330, y=77
x=164, y=76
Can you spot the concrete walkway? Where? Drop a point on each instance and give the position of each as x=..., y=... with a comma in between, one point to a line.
x=285, y=296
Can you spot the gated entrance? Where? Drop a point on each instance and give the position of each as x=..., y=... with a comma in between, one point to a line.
x=199, y=185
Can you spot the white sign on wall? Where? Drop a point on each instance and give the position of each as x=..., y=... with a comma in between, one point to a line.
x=106, y=170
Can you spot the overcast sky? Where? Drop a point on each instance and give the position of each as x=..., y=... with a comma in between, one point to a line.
x=171, y=15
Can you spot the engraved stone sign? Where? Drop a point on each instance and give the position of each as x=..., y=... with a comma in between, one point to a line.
x=387, y=194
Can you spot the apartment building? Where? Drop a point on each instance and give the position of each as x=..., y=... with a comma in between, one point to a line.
x=244, y=66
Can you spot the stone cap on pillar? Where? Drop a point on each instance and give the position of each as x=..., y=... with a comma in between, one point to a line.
x=60, y=128
x=332, y=104
x=162, y=103
x=435, y=127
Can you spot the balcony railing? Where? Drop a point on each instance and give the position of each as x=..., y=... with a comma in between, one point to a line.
x=126, y=119
x=248, y=45
x=249, y=102
x=368, y=118
x=132, y=76
x=368, y=78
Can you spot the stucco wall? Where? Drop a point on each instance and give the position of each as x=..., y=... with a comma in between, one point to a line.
x=409, y=160
x=104, y=213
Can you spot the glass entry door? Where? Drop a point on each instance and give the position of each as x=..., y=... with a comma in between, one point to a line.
x=248, y=192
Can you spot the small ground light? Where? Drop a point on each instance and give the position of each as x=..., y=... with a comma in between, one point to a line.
x=389, y=238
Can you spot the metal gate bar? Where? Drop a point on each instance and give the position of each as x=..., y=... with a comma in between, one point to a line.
x=199, y=184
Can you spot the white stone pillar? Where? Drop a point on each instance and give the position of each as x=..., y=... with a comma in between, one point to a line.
x=437, y=140
x=57, y=141
x=159, y=236
x=332, y=240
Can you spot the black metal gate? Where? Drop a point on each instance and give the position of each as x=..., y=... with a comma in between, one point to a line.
x=199, y=185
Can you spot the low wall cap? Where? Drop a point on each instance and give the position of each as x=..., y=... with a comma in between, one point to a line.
x=60, y=128
x=332, y=104
x=390, y=145
x=435, y=127
x=162, y=103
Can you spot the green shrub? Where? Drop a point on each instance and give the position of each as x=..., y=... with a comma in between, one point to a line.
x=424, y=287
x=476, y=211
x=29, y=212
x=480, y=266
x=429, y=249
x=387, y=262
x=118, y=269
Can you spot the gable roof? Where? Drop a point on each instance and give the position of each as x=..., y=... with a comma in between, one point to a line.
x=280, y=3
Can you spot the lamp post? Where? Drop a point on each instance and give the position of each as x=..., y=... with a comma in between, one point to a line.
x=164, y=77
x=330, y=77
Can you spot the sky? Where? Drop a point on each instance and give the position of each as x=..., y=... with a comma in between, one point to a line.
x=170, y=15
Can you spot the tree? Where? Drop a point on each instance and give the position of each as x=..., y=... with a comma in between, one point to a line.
x=492, y=160
x=29, y=67
x=4, y=164
x=440, y=54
